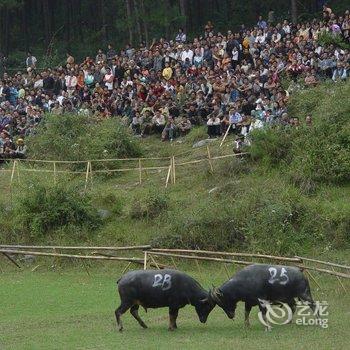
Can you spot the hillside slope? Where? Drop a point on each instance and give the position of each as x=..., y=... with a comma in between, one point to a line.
x=289, y=197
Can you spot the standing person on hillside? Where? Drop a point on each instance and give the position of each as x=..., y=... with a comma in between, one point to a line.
x=31, y=61
x=181, y=36
x=111, y=53
x=71, y=83
x=108, y=79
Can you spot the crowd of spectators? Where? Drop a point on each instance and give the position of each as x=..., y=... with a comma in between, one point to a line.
x=217, y=79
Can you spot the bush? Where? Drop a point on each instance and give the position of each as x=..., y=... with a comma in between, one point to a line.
x=271, y=146
x=327, y=39
x=39, y=210
x=80, y=137
x=154, y=203
x=210, y=225
x=311, y=155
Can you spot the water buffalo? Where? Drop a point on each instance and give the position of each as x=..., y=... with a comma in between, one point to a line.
x=262, y=284
x=161, y=288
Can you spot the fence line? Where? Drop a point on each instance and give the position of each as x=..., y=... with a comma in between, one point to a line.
x=148, y=252
x=140, y=166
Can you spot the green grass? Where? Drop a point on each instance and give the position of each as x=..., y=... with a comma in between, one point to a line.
x=68, y=309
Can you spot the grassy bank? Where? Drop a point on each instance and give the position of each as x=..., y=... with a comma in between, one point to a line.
x=289, y=196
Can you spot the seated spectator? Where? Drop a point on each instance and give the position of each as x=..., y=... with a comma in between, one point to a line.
x=169, y=130
x=214, y=126
x=158, y=122
x=184, y=126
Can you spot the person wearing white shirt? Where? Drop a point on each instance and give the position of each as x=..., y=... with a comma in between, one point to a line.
x=187, y=53
x=213, y=124
x=71, y=83
x=108, y=79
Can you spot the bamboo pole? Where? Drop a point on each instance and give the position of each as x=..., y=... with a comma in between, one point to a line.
x=209, y=159
x=139, y=247
x=18, y=178
x=85, y=267
x=140, y=262
x=168, y=175
x=206, y=252
x=174, y=173
x=340, y=282
x=313, y=278
x=173, y=261
x=226, y=133
x=92, y=257
x=126, y=267
x=151, y=252
x=145, y=261
x=140, y=171
x=227, y=273
x=87, y=174
x=154, y=261
x=35, y=268
x=13, y=171
x=323, y=262
x=12, y=260
x=334, y=273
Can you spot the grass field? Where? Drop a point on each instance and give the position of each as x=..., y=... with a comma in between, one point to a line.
x=68, y=309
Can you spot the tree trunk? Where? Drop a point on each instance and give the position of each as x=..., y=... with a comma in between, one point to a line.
x=25, y=24
x=294, y=11
x=103, y=20
x=128, y=18
x=144, y=21
x=46, y=20
x=183, y=12
x=138, y=20
x=6, y=31
x=67, y=16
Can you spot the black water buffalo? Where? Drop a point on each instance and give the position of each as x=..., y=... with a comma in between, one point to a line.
x=262, y=284
x=161, y=288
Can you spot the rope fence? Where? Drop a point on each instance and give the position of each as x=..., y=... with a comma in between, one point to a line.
x=140, y=166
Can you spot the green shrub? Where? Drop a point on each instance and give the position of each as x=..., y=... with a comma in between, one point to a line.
x=154, y=203
x=39, y=210
x=80, y=137
x=196, y=134
x=327, y=39
x=271, y=146
x=208, y=226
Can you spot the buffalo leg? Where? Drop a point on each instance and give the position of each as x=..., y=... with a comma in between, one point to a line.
x=266, y=322
x=248, y=308
x=292, y=306
x=119, y=311
x=135, y=312
x=172, y=318
x=306, y=297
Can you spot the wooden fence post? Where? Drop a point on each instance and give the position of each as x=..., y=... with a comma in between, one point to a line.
x=88, y=172
x=226, y=133
x=13, y=171
x=174, y=174
x=169, y=173
x=145, y=261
